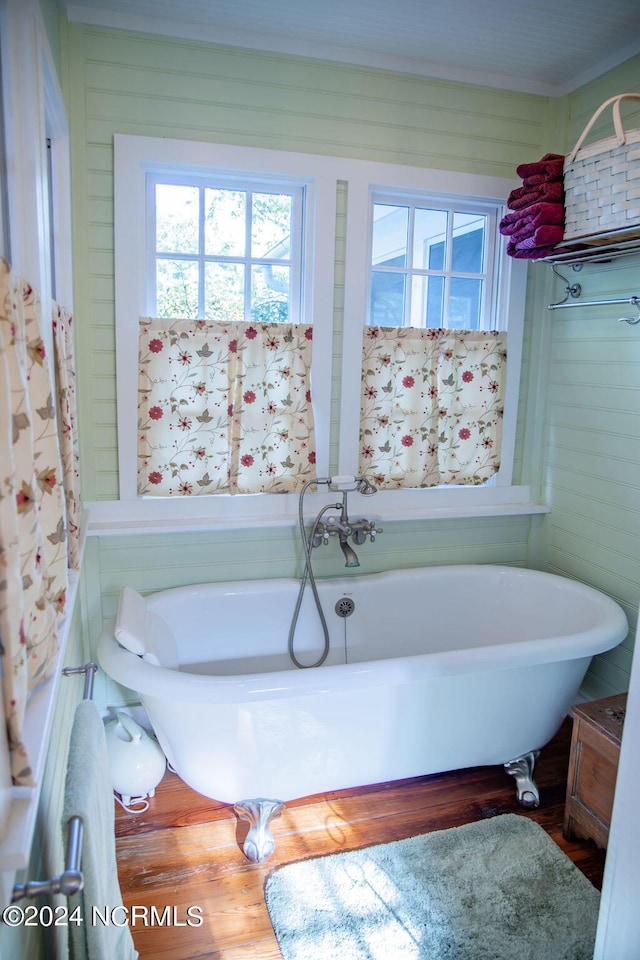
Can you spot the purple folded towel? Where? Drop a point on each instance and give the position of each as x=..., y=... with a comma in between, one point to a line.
x=530, y=230
x=550, y=192
x=550, y=167
x=525, y=221
x=547, y=235
x=536, y=224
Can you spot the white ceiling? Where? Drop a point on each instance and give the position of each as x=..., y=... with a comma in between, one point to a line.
x=539, y=46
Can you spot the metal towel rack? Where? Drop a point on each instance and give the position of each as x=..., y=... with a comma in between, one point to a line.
x=574, y=291
x=635, y=301
x=71, y=880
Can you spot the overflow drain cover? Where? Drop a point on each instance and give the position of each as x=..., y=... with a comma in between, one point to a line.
x=345, y=607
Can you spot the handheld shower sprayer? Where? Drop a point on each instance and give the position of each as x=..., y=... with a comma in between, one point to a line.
x=349, y=484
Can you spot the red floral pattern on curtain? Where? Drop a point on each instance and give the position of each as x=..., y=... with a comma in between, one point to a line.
x=224, y=408
x=33, y=554
x=432, y=406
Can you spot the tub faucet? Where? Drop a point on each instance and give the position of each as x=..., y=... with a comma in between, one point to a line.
x=349, y=553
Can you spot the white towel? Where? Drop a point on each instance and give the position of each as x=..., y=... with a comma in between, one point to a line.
x=88, y=794
x=131, y=621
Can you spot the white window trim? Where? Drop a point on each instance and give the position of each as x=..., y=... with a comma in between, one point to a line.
x=512, y=302
x=134, y=156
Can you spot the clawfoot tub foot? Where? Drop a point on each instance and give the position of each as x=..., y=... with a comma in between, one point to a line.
x=522, y=769
x=259, y=843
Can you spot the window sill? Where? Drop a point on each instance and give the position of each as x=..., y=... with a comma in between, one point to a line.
x=17, y=835
x=199, y=515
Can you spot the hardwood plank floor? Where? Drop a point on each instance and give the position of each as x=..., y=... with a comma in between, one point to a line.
x=186, y=850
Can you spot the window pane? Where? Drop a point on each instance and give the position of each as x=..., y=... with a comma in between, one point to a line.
x=176, y=288
x=429, y=238
x=271, y=226
x=465, y=300
x=468, y=242
x=225, y=222
x=427, y=302
x=224, y=291
x=387, y=299
x=176, y=218
x=269, y=293
x=390, y=226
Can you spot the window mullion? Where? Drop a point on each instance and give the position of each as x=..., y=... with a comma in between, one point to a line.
x=247, y=256
x=448, y=263
x=151, y=293
x=295, y=287
x=201, y=251
x=408, y=293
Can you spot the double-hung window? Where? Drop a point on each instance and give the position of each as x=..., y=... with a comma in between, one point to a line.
x=215, y=233
x=225, y=400
x=432, y=263
x=434, y=365
x=437, y=298
x=225, y=248
x=224, y=257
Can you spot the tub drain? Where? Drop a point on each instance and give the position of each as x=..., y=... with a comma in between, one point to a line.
x=345, y=607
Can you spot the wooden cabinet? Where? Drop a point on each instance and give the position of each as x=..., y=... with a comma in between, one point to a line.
x=593, y=766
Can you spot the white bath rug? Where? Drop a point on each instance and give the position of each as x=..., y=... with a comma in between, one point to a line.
x=491, y=890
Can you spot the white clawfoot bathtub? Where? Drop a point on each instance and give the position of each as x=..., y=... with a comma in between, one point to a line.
x=436, y=669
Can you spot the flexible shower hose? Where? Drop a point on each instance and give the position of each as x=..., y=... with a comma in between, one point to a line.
x=307, y=576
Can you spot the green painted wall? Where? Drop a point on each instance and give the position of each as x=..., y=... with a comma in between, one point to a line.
x=591, y=456
x=138, y=84
x=579, y=412
x=579, y=418
x=144, y=85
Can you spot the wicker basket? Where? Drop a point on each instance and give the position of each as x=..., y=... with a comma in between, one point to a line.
x=602, y=180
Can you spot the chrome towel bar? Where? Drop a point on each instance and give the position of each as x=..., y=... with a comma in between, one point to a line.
x=634, y=301
x=71, y=880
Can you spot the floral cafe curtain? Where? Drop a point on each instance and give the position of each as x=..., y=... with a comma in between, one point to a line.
x=33, y=554
x=224, y=407
x=432, y=406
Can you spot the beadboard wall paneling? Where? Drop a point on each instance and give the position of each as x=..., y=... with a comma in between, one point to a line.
x=132, y=83
x=591, y=458
x=150, y=563
x=583, y=103
x=160, y=87
x=153, y=86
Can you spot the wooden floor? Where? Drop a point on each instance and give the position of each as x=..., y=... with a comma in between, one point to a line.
x=186, y=850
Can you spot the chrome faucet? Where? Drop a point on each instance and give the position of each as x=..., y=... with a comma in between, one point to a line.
x=342, y=527
x=350, y=555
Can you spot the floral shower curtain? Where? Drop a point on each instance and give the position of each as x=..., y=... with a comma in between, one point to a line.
x=33, y=553
x=432, y=406
x=224, y=408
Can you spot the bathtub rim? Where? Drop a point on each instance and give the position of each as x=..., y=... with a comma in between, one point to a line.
x=147, y=679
